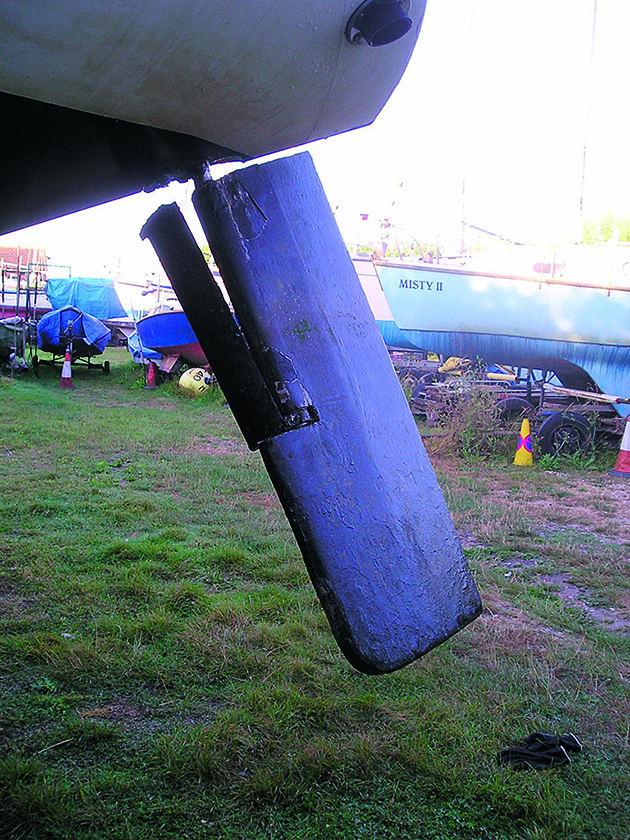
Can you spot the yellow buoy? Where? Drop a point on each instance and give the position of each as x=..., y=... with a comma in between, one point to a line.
x=195, y=381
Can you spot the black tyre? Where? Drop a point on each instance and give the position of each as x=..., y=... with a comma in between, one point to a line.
x=565, y=434
x=513, y=409
x=427, y=379
x=409, y=378
x=419, y=394
x=106, y=368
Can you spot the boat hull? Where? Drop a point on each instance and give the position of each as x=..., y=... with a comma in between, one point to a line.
x=254, y=78
x=578, y=330
x=170, y=334
x=105, y=100
x=391, y=334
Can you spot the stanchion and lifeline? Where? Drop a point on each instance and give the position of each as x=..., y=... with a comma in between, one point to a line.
x=622, y=466
x=523, y=457
x=151, y=376
x=66, y=370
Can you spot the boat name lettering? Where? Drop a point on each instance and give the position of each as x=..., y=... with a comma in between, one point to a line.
x=423, y=285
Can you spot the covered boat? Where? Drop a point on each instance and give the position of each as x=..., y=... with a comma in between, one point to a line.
x=69, y=327
x=95, y=296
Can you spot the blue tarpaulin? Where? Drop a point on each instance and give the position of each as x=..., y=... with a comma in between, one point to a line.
x=140, y=353
x=88, y=335
x=96, y=296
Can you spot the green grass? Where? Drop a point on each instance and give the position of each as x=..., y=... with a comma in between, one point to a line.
x=166, y=670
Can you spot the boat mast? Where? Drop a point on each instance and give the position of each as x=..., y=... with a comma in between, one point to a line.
x=466, y=133
x=587, y=120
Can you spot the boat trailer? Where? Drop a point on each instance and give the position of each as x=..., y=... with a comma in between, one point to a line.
x=565, y=420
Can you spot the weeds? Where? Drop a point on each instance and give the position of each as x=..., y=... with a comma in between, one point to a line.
x=471, y=424
x=596, y=458
x=469, y=420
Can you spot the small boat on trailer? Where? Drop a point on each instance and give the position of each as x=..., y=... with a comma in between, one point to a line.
x=69, y=328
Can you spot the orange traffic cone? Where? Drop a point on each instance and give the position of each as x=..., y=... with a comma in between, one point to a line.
x=523, y=457
x=151, y=376
x=622, y=467
x=66, y=371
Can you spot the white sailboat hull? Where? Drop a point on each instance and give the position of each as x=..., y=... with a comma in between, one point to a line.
x=525, y=321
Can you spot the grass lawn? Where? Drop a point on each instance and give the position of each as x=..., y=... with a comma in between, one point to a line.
x=166, y=670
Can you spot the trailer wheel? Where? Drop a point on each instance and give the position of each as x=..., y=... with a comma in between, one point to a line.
x=512, y=409
x=565, y=434
x=419, y=394
x=106, y=368
x=427, y=379
x=409, y=378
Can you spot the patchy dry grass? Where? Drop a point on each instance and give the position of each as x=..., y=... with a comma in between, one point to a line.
x=166, y=670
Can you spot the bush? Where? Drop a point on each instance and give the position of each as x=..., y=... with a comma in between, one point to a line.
x=470, y=423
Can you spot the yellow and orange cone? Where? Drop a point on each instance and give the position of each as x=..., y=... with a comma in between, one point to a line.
x=524, y=457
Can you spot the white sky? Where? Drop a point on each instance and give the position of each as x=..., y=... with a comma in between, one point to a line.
x=497, y=91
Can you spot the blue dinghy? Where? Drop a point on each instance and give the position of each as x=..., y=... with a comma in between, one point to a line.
x=170, y=334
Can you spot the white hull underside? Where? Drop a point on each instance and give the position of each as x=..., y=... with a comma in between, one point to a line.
x=254, y=77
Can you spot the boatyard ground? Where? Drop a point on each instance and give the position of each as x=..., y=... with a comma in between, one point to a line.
x=166, y=670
